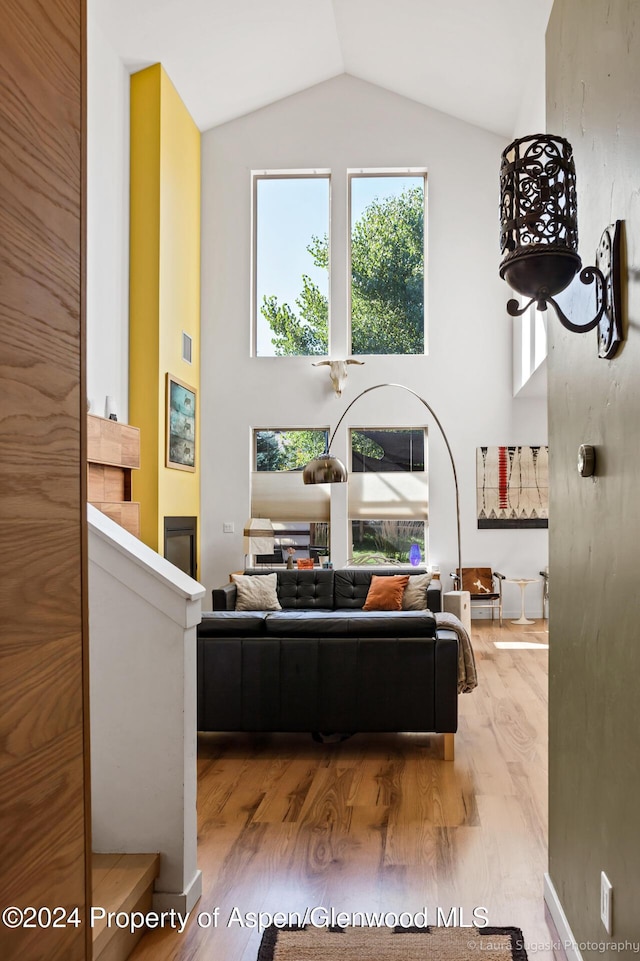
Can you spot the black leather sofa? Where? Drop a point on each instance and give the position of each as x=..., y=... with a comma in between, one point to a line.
x=322, y=664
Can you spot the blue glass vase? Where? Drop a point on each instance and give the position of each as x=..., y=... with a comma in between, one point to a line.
x=415, y=555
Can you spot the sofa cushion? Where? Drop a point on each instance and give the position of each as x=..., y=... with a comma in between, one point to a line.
x=256, y=593
x=306, y=590
x=415, y=595
x=345, y=623
x=385, y=593
x=233, y=623
x=352, y=585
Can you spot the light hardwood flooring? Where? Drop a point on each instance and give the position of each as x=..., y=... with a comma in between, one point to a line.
x=381, y=822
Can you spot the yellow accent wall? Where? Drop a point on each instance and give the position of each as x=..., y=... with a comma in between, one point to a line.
x=164, y=290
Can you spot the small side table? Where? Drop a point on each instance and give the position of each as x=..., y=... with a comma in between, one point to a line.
x=522, y=582
x=459, y=603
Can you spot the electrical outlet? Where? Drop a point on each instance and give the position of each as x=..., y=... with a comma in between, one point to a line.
x=228, y=527
x=606, y=902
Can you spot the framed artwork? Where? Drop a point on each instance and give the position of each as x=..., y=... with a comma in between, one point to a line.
x=512, y=487
x=181, y=425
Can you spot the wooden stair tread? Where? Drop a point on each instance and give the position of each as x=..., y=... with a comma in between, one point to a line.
x=120, y=882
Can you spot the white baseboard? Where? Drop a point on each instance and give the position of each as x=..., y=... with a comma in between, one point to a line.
x=560, y=920
x=506, y=615
x=182, y=902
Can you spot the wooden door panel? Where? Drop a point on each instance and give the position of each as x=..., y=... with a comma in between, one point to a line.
x=43, y=761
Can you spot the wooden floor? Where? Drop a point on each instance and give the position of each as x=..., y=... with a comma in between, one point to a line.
x=381, y=822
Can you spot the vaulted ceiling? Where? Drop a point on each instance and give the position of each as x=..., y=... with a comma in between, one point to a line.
x=468, y=58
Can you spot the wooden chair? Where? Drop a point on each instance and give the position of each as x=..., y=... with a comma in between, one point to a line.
x=484, y=586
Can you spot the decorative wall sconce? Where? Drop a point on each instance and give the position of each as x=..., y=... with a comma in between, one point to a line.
x=539, y=237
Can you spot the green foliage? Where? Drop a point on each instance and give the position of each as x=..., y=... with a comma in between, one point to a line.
x=288, y=449
x=387, y=279
x=387, y=276
x=306, y=332
x=393, y=539
x=365, y=446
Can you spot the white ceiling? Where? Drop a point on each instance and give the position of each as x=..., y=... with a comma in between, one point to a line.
x=468, y=58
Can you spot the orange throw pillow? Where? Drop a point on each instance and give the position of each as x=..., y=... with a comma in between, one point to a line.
x=385, y=593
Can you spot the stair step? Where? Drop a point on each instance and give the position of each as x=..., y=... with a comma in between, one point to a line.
x=121, y=882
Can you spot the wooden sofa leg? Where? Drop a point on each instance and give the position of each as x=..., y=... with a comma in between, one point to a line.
x=449, y=747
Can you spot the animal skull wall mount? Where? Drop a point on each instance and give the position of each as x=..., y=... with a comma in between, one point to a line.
x=337, y=371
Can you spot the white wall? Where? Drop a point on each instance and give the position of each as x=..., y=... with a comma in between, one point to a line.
x=467, y=376
x=532, y=112
x=107, y=223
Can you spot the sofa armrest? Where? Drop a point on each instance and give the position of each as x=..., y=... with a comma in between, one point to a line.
x=224, y=598
x=446, y=685
x=434, y=596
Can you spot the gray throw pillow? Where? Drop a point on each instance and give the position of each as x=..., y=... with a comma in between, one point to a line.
x=256, y=592
x=415, y=593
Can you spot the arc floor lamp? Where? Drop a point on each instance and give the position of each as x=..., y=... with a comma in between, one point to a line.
x=329, y=469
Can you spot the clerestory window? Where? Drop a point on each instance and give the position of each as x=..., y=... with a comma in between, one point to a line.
x=384, y=256
x=291, y=264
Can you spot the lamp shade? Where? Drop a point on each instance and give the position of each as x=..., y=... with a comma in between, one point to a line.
x=258, y=536
x=326, y=469
x=538, y=216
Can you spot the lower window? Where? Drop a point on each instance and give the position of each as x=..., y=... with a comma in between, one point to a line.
x=391, y=539
x=298, y=539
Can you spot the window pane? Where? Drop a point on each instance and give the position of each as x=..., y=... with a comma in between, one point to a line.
x=307, y=540
x=387, y=265
x=392, y=539
x=387, y=449
x=297, y=539
x=287, y=449
x=292, y=259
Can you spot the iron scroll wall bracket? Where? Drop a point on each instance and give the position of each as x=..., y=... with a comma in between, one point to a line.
x=607, y=277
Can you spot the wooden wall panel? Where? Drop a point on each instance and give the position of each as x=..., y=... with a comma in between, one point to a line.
x=43, y=761
x=109, y=442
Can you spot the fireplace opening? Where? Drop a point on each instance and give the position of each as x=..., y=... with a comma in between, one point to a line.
x=180, y=543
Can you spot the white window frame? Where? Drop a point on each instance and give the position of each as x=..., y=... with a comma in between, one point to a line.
x=363, y=172
x=395, y=427
x=294, y=174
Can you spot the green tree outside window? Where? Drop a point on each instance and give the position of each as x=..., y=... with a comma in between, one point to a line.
x=387, y=286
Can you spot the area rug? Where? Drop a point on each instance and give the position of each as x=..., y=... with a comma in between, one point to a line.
x=392, y=944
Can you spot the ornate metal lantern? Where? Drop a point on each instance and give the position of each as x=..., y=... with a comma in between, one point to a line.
x=539, y=214
x=539, y=236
